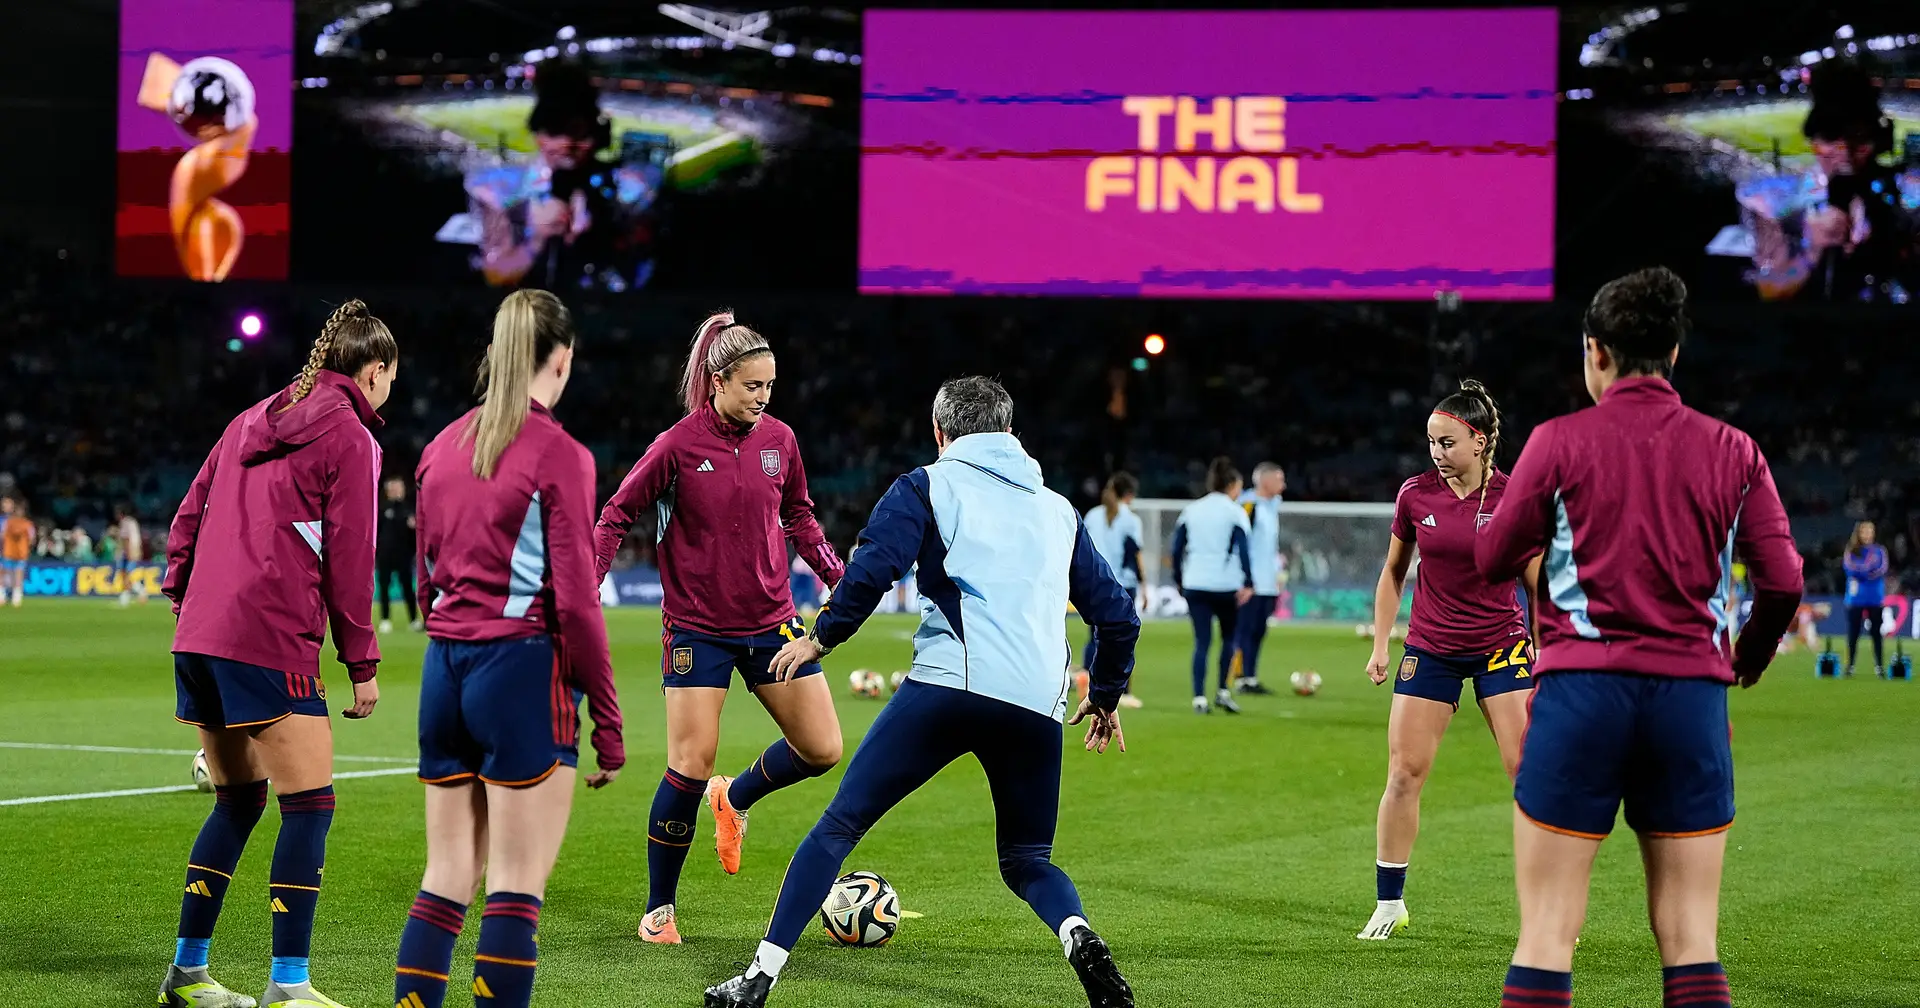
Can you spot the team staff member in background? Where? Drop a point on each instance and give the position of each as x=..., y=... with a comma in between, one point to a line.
x=989, y=673
x=731, y=494
x=515, y=635
x=1866, y=566
x=395, y=554
x=1464, y=627
x=1115, y=530
x=1638, y=504
x=132, y=550
x=276, y=530
x=1262, y=504
x=1214, y=572
x=16, y=545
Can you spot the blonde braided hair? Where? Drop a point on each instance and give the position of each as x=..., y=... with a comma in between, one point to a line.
x=353, y=308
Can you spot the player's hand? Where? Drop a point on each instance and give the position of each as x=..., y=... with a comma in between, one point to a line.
x=1104, y=728
x=579, y=221
x=1828, y=227
x=1377, y=667
x=365, y=695
x=1747, y=677
x=795, y=656
x=548, y=218
x=1243, y=596
x=601, y=778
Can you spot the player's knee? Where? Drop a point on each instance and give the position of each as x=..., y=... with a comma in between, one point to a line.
x=822, y=755
x=1405, y=778
x=837, y=830
x=1020, y=862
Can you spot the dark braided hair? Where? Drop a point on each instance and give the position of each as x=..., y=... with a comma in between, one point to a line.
x=1475, y=408
x=350, y=340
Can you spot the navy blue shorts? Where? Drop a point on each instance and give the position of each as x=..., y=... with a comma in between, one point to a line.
x=1442, y=677
x=217, y=693
x=1597, y=739
x=691, y=658
x=498, y=710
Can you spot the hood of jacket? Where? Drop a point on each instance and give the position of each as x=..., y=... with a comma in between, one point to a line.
x=271, y=430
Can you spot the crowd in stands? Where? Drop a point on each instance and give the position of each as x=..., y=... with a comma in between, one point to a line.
x=114, y=391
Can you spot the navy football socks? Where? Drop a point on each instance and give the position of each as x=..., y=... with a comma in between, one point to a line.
x=216, y=853
x=670, y=834
x=294, y=887
x=426, y=951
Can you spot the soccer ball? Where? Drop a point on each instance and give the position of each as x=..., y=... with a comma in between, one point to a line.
x=202, y=777
x=210, y=98
x=861, y=910
x=865, y=683
x=1306, y=682
x=896, y=679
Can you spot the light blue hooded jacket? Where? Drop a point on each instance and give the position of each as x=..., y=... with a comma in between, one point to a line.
x=999, y=558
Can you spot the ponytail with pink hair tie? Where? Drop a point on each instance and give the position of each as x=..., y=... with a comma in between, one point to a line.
x=697, y=379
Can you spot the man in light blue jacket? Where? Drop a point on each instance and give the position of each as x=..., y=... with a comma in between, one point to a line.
x=998, y=557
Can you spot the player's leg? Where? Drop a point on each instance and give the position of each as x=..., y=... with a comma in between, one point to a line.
x=1876, y=615
x=297, y=752
x=525, y=827
x=1573, y=769
x=456, y=862
x=1227, y=611
x=240, y=797
x=456, y=810
x=810, y=745
x=1856, y=615
x=1415, y=725
x=1681, y=804
x=1200, y=614
x=1253, y=634
x=698, y=672
x=1020, y=752
x=382, y=590
x=912, y=739
x=1503, y=691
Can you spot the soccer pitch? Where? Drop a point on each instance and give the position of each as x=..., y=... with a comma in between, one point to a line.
x=487, y=122
x=1228, y=860
x=1755, y=128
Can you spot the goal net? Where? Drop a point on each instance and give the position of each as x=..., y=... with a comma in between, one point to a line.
x=1330, y=554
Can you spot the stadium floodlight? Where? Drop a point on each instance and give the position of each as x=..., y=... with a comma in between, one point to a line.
x=737, y=29
x=334, y=35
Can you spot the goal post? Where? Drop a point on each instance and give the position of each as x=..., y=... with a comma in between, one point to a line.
x=1332, y=553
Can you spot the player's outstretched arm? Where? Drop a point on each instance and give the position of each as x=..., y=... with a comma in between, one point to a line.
x=184, y=534
x=1523, y=523
x=650, y=477
x=803, y=529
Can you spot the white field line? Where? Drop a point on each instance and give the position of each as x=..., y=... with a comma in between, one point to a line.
x=85, y=795
x=177, y=752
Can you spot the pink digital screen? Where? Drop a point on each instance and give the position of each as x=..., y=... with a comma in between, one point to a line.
x=1327, y=154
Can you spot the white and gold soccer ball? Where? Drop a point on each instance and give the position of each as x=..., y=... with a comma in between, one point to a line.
x=1306, y=682
x=861, y=910
x=202, y=777
x=866, y=683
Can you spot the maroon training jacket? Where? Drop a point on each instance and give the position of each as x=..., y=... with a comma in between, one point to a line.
x=729, y=499
x=1639, y=503
x=275, y=537
x=512, y=556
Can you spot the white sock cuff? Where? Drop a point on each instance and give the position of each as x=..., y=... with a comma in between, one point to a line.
x=1066, y=931
x=1389, y=864
x=770, y=959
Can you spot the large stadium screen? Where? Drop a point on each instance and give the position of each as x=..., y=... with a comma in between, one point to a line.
x=1777, y=162
x=1353, y=154
x=205, y=136
x=593, y=145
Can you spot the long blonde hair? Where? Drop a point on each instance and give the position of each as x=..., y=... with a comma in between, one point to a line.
x=529, y=326
x=1854, y=541
x=350, y=340
x=720, y=346
x=1120, y=486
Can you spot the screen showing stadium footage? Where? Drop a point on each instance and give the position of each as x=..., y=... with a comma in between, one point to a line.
x=1776, y=159
x=205, y=136
x=578, y=145
x=1356, y=154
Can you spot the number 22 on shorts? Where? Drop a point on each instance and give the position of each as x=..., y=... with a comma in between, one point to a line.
x=1515, y=658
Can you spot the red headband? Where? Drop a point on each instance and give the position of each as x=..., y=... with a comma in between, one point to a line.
x=1463, y=421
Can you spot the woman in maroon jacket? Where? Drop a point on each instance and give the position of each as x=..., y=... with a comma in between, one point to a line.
x=505, y=558
x=731, y=493
x=273, y=542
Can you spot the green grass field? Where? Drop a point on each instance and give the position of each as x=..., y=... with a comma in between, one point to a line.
x=1755, y=128
x=1227, y=860
x=486, y=122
